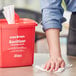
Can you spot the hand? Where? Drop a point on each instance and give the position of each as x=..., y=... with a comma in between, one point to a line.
x=54, y=63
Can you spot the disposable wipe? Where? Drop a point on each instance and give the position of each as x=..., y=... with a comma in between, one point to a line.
x=59, y=70
x=9, y=14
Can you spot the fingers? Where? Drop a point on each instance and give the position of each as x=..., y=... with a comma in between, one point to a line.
x=52, y=67
x=57, y=66
x=62, y=64
x=47, y=66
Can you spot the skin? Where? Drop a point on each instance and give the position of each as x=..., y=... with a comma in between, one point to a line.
x=56, y=61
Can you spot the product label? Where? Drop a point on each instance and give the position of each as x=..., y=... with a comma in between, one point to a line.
x=17, y=44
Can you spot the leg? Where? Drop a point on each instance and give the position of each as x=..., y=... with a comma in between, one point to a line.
x=71, y=41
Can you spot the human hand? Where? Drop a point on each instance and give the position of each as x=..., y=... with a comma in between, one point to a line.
x=54, y=63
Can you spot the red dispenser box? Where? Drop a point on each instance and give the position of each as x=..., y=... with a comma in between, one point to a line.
x=17, y=43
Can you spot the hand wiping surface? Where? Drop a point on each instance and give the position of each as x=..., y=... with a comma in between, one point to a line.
x=59, y=70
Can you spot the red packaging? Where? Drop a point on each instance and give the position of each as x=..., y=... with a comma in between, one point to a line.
x=17, y=43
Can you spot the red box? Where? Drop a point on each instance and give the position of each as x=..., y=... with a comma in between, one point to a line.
x=17, y=43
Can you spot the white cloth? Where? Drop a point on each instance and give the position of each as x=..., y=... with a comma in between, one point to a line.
x=59, y=70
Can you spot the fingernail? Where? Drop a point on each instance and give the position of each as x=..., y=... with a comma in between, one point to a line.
x=50, y=70
x=55, y=69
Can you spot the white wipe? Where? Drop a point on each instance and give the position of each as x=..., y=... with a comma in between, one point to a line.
x=9, y=14
x=59, y=70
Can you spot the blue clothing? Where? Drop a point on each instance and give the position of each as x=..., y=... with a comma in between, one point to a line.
x=52, y=12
